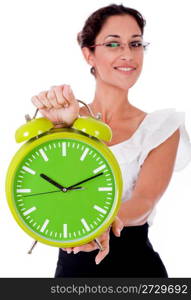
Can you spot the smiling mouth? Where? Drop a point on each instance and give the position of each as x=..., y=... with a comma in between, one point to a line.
x=125, y=69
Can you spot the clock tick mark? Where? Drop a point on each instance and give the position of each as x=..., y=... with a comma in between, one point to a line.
x=29, y=170
x=65, y=230
x=99, y=169
x=43, y=154
x=23, y=190
x=106, y=207
x=102, y=189
x=85, y=224
x=84, y=154
x=64, y=149
x=44, y=225
x=98, y=208
x=30, y=210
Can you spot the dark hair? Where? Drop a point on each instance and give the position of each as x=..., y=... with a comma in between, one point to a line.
x=96, y=20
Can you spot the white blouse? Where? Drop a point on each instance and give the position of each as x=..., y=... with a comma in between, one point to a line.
x=155, y=128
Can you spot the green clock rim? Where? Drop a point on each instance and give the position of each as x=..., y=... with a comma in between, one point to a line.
x=56, y=134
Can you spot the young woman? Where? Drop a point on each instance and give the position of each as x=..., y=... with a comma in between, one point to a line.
x=148, y=146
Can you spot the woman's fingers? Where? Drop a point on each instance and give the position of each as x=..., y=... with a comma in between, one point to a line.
x=57, y=97
x=68, y=94
x=36, y=101
x=68, y=250
x=104, y=240
x=117, y=226
x=86, y=248
x=102, y=254
x=51, y=98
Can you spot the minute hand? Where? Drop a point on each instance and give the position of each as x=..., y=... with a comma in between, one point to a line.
x=70, y=187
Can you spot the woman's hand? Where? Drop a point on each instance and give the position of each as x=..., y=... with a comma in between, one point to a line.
x=58, y=105
x=116, y=226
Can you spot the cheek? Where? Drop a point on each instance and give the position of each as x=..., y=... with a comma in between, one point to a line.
x=103, y=63
x=140, y=61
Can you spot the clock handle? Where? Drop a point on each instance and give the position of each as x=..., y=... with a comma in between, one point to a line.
x=98, y=244
x=97, y=116
x=32, y=247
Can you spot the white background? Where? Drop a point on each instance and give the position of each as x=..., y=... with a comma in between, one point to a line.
x=38, y=50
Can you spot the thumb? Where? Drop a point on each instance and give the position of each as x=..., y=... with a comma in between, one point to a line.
x=117, y=226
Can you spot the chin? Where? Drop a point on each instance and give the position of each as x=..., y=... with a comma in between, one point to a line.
x=125, y=86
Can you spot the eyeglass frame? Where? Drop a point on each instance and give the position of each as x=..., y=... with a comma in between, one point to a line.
x=122, y=44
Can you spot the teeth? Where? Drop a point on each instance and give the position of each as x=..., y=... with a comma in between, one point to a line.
x=125, y=69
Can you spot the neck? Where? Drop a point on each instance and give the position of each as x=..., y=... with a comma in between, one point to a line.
x=111, y=102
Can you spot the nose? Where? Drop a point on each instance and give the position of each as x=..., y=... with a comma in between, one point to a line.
x=126, y=53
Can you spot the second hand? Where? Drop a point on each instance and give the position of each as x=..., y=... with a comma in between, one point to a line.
x=51, y=192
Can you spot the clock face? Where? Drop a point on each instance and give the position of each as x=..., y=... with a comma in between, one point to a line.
x=64, y=191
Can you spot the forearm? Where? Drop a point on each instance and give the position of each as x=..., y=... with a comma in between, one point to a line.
x=135, y=211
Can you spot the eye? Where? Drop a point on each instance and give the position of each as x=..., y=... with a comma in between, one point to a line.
x=112, y=44
x=136, y=44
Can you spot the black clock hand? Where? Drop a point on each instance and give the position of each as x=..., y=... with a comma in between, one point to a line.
x=50, y=180
x=70, y=187
x=77, y=188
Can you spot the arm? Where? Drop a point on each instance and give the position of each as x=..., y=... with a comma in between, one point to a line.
x=152, y=182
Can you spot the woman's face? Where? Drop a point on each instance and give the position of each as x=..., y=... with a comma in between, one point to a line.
x=115, y=65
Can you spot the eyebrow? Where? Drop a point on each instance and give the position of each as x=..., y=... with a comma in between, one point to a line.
x=118, y=36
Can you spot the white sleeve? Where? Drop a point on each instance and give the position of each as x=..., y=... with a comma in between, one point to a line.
x=160, y=127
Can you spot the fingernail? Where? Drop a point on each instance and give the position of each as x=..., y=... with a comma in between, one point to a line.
x=76, y=251
x=118, y=232
x=97, y=261
x=68, y=251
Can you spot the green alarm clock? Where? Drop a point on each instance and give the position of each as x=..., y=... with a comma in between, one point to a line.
x=64, y=185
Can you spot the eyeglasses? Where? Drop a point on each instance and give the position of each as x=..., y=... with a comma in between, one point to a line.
x=116, y=46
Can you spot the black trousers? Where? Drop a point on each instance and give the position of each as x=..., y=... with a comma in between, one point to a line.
x=131, y=255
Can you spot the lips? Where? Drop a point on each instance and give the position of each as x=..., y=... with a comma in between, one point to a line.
x=125, y=68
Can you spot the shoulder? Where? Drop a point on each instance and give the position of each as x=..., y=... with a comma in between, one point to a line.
x=164, y=130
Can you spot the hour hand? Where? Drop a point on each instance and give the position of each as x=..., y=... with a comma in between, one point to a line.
x=58, y=185
x=50, y=180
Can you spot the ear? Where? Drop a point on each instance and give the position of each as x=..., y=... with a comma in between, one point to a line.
x=88, y=55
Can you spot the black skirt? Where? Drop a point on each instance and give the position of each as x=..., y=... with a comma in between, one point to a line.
x=131, y=255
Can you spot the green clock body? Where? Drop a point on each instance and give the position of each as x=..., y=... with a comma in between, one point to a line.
x=54, y=216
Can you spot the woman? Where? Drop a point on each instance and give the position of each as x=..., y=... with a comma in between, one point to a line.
x=112, y=44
